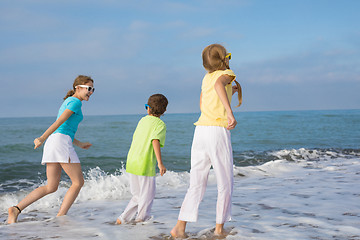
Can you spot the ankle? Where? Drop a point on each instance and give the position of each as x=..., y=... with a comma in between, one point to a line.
x=219, y=229
x=15, y=209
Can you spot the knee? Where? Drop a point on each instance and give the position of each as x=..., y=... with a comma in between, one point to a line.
x=79, y=183
x=51, y=189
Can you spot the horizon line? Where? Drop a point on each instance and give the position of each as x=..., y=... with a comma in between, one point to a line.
x=174, y=113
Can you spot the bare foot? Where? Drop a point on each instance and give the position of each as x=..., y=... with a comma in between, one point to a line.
x=220, y=231
x=221, y=234
x=176, y=233
x=13, y=215
x=118, y=221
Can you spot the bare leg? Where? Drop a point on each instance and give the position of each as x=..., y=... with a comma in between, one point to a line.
x=219, y=230
x=179, y=230
x=73, y=170
x=53, y=174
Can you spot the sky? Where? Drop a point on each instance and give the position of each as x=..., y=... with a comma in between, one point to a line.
x=287, y=54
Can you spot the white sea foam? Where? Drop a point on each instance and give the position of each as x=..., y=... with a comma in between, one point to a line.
x=303, y=194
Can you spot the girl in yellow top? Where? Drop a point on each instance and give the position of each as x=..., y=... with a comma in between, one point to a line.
x=212, y=141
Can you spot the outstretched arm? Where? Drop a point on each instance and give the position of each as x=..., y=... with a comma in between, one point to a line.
x=219, y=86
x=63, y=117
x=156, y=145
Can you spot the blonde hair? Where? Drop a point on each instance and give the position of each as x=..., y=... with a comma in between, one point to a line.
x=80, y=80
x=214, y=58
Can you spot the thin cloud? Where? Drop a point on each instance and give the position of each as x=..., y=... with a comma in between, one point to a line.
x=139, y=25
x=328, y=66
x=53, y=51
x=197, y=32
x=25, y=20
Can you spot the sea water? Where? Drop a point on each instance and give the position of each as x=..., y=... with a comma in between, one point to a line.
x=296, y=176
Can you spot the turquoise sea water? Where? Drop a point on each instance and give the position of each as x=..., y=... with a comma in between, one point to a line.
x=296, y=177
x=256, y=134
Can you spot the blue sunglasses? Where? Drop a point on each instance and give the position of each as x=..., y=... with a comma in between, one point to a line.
x=147, y=106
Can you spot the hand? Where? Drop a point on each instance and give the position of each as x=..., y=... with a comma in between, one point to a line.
x=231, y=122
x=84, y=145
x=38, y=142
x=162, y=169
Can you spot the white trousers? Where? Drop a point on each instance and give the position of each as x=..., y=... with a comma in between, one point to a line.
x=211, y=146
x=143, y=190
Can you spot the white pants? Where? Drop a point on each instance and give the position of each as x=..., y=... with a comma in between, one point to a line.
x=143, y=190
x=211, y=146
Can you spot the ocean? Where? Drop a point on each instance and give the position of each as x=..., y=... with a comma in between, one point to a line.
x=296, y=176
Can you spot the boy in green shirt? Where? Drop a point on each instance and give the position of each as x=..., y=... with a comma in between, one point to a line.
x=144, y=152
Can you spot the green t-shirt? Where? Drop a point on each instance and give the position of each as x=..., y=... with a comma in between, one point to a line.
x=141, y=159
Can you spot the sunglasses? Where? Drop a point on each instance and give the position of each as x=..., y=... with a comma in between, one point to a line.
x=89, y=88
x=147, y=106
x=228, y=56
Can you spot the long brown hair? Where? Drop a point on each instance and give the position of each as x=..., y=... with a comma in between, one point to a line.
x=80, y=80
x=214, y=59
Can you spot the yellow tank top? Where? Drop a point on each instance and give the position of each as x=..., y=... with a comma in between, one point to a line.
x=213, y=112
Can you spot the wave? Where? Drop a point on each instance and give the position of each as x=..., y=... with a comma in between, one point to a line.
x=315, y=154
x=100, y=184
x=289, y=160
x=254, y=158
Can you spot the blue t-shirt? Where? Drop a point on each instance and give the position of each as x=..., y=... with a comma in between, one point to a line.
x=70, y=126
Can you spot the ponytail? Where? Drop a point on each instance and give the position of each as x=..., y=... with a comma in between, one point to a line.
x=214, y=57
x=239, y=93
x=69, y=94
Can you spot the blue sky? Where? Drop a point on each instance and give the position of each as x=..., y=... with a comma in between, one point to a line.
x=287, y=54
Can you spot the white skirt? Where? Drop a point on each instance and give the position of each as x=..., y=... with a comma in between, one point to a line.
x=58, y=148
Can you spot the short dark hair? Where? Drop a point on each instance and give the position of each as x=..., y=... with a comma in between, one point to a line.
x=158, y=104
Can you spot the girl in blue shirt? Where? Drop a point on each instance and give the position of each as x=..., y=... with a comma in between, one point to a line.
x=59, y=152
